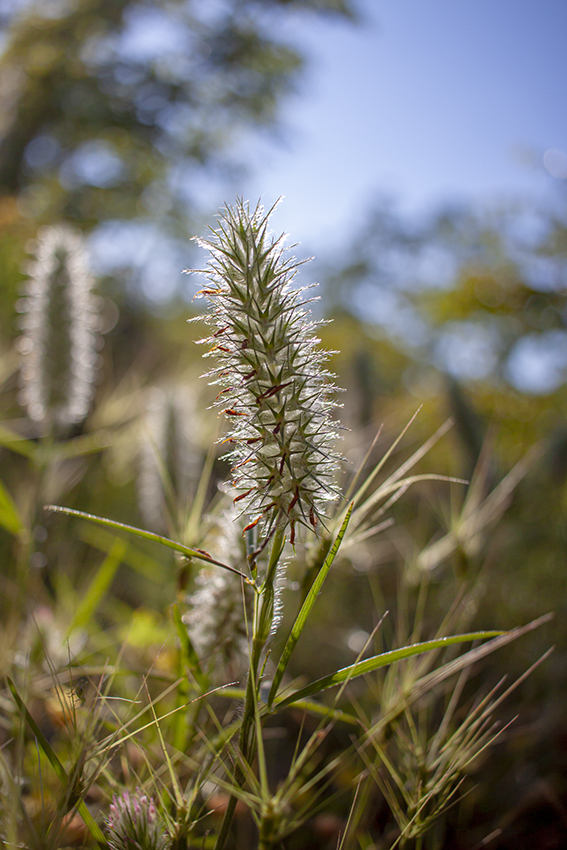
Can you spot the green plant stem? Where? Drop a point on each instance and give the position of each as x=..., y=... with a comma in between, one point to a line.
x=32, y=582
x=360, y=812
x=262, y=622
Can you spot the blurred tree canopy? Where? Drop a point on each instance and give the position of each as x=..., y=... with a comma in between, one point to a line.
x=119, y=111
x=113, y=108
x=480, y=297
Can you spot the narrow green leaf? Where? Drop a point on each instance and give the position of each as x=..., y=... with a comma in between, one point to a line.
x=301, y=618
x=361, y=668
x=370, y=478
x=17, y=444
x=146, y=535
x=189, y=656
x=325, y=711
x=363, y=508
x=9, y=517
x=91, y=823
x=441, y=674
x=198, y=504
x=84, y=445
x=98, y=586
x=82, y=808
x=303, y=704
x=41, y=739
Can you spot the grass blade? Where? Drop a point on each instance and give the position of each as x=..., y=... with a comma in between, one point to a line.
x=301, y=618
x=41, y=739
x=370, y=478
x=146, y=535
x=363, y=508
x=16, y=443
x=361, y=668
x=332, y=714
x=9, y=517
x=99, y=585
x=82, y=809
x=189, y=657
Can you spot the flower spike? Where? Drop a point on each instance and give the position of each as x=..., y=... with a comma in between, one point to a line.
x=276, y=394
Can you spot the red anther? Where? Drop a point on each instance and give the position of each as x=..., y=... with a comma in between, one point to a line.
x=250, y=375
x=272, y=391
x=242, y=496
x=242, y=463
x=282, y=464
x=252, y=524
x=221, y=348
x=232, y=412
x=251, y=440
x=209, y=292
x=292, y=535
x=277, y=429
x=244, y=344
x=294, y=501
x=222, y=392
x=222, y=330
x=312, y=517
x=202, y=551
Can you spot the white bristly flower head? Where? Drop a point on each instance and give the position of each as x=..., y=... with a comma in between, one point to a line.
x=276, y=392
x=221, y=606
x=60, y=331
x=135, y=823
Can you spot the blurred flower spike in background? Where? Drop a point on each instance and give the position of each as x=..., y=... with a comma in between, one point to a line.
x=60, y=332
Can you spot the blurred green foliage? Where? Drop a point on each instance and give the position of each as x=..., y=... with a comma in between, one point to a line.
x=113, y=108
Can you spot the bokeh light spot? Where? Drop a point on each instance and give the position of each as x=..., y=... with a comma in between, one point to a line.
x=555, y=163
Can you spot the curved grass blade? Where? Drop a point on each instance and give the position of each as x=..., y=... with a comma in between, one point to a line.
x=82, y=808
x=362, y=508
x=316, y=708
x=301, y=618
x=361, y=668
x=333, y=714
x=147, y=535
x=190, y=659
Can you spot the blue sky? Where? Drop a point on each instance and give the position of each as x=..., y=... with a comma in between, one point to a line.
x=424, y=102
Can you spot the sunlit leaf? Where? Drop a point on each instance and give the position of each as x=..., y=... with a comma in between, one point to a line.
x=306, y=608
x=369, y=665
x=190, y=658
x=146, y=535
x=9, y=517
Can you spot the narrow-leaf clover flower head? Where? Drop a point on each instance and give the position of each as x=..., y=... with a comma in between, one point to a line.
x=60, y=332
x=276, y=393
x=220, y=608
x=134, y=822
